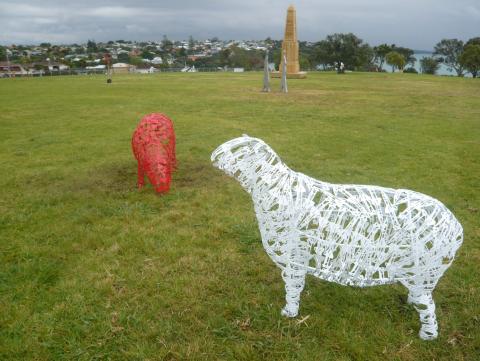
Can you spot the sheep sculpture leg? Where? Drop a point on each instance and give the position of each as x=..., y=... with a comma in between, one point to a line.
x=425, y=307
x=421, y=298
x=141, y=176
x=294, y=278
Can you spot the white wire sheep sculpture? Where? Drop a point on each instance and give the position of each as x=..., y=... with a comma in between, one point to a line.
x=357, y=235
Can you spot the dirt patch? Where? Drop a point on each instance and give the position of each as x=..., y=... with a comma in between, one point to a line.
x=190, y=174
x=114, y=177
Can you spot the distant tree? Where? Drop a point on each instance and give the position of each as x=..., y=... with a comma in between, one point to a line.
x=346, y=48
x=306, y=56
x=224, y=56
x=395, y=60
x=80, y=64
x=234, y=57
x=450, y=51
x=167, y=45
x=411, y=70
x=407, y=54
x=275, y=57
x=45, y=45
x=429, y=65
x=79, y=50
x=3, y=53
x=91, y=46
x=135, y=60
x=123, y=58
x=147, y=55
x=255, y=60
x=473, y=41
x=191, y=45
x=238, y=58
x=380, y=52
x=40, y=67
x=182, y=52
x=304, y=62
x=470, y=59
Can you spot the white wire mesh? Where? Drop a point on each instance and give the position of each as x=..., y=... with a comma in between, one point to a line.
x=355, y=235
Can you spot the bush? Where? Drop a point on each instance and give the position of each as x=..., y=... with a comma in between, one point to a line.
x=396, y=60
x=411, y=70
x=470, y=59
x=429, y=65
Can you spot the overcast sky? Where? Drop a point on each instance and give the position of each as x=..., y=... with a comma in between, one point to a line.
x=417, y=24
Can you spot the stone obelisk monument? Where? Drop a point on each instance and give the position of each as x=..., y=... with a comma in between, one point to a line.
x=290, y=47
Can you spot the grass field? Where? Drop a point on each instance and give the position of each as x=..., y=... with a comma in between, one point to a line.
x=93, y=269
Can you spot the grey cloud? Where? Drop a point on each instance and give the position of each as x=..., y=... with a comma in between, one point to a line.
x=413, y=23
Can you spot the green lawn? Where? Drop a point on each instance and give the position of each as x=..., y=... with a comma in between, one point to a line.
x=93, y=269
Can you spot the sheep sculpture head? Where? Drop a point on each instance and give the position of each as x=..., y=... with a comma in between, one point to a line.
x=237, y=155
x=357, y=235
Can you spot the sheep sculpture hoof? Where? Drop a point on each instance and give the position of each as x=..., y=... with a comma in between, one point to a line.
x=357, y=235
x=286, y=312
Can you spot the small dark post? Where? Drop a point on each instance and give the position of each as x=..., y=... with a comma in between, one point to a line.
x=266, y=75
x=107, y=58
x=283, y=86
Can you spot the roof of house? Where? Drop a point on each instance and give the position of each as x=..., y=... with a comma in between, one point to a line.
x=121, y=65
x=4, y=64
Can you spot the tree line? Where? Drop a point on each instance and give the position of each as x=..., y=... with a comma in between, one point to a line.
x=327, y=54
x=357, y=55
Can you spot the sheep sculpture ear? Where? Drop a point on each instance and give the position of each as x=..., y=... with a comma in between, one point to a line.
x=245, y=135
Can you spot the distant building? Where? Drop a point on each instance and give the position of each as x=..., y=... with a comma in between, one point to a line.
x=50, y=65
x=122, y=68
x=157, y=60
x=145, y=69
x=7, y=69
x=101, y=66
x=135, y=52
x=196, y=56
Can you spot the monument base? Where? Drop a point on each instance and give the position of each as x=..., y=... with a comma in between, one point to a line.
x=299, y=75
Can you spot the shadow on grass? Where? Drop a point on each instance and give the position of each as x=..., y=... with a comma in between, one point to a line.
x=121, y=177
x=118, y=177
x=194, y=174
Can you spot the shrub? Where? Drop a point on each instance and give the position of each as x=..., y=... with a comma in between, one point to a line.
x=470, y=59
x=396, y=60
x=411, y=70
x=429, y=65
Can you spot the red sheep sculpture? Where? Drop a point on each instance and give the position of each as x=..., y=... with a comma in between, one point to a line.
x=153, y=145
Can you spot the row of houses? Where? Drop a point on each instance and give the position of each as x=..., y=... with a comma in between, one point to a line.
x=8, y=69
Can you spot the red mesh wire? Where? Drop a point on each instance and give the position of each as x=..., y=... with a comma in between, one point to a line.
x=153, y=145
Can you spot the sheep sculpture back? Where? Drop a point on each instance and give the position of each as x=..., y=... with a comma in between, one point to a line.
x=153, y=145
x=355, y=235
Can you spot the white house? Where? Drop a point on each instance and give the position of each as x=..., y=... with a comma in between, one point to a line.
x=122, y=68
x=157, y=60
